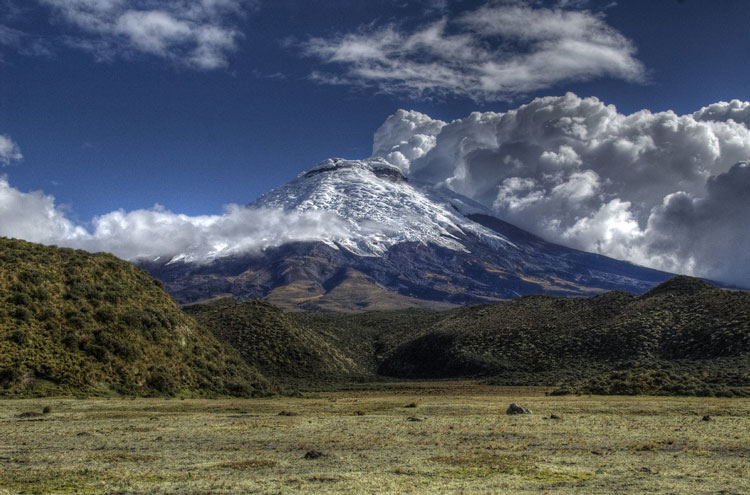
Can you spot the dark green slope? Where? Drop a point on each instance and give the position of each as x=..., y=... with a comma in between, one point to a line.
x=370, y=337
x=272, y=340
x=684, y=337
x=78, y=323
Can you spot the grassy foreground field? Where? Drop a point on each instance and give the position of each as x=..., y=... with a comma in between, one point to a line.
x=439, y=437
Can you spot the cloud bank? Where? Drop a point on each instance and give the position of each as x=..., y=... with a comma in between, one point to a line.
x=664, y=190
x=158, y=232
x=495, y=52
x=199, y=34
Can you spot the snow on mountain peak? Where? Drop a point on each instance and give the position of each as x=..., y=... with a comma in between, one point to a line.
x=379, y=207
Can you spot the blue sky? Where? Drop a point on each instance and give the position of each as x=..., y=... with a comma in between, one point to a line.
x=195, y=104
x=141, y=129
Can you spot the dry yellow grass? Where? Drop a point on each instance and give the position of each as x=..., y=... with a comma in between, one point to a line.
x=464, y=443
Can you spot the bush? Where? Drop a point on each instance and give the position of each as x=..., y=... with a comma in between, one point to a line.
x=20, y=336
x=47, y=313
x=239, y=388
x=9, y=375
x=162, y=381
x=22, y=314
x=97, y=351
x=104, y=315
x=562, y=391
x=19, y=299
x=70, y=341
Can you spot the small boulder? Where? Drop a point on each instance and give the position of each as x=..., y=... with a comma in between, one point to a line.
x=706, y=418
x=516, y=409
x=314, y=454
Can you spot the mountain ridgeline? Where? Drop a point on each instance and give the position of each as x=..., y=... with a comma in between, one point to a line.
x=75, y=323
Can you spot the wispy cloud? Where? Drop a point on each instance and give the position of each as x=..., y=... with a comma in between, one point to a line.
x=199, y=34
x=22, y=42
x=9, y=151
x=495, y=52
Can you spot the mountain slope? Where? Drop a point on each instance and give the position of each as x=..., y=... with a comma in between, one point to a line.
x=414, y=241
x=78, y=323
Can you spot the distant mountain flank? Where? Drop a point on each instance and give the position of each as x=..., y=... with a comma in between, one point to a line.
x=396, y=244
x=75, y=323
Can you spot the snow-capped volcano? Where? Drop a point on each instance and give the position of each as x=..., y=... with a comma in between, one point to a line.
x=379, y=207
x=388, y=242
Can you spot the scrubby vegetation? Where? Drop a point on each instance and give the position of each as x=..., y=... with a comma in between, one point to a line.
x=78, y=323
x=685, y=337
x=702, y=379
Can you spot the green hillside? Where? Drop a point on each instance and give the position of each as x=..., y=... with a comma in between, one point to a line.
x=275, y=343
x=78, y=323
x=684, y=337
x=370, y=337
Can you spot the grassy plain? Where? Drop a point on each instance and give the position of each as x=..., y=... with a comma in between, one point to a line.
x=436, y=437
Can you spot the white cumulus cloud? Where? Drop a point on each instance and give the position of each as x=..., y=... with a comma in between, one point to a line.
x=33, y=216
x=492, y=53
x=155, y=232
x=420, y=131
x=665, y=190
x=708, y=233
x=736, y=110
x=199, y=34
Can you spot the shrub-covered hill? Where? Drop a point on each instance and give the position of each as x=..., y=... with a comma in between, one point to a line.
x=72, y=322
x=275, y=342
x=684, y=337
